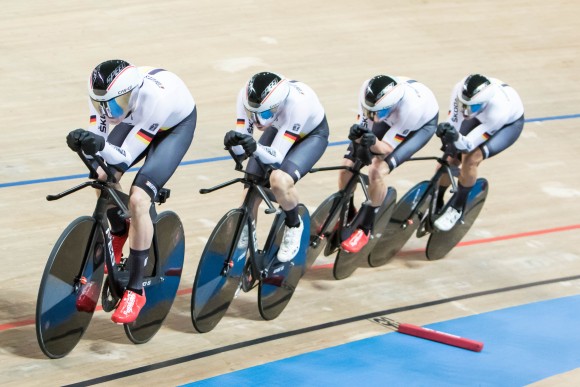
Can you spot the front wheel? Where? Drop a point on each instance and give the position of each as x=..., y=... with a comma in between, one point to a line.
x=346, y=263
x=405, y=220
x=70, y=287
x=441, y=243
x=219, y=271
x=318, y=233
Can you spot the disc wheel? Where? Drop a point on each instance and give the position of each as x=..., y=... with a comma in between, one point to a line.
x=74, y=267
x=219, y=272
x=346, y=263
x=405, y=220
x=318, y=235
x=441, y=243
x=281, y=279
x=168, y=249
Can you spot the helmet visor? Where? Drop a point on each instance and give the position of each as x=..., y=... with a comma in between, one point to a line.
x=469, y=110
x=114, y=108
x=262, y=118
x=476, y=107
x=380, y=114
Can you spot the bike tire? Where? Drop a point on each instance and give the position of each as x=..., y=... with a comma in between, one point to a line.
x=441, y=243
x=169, y=251
x=318, y=236
x=78, y=255
x=403, y=223
x=214, y=290
x=277, y=287
x=346, y=263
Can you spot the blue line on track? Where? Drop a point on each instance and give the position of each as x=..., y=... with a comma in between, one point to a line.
x=222, y=158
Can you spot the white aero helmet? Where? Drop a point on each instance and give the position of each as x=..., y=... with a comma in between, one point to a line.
x=476, y=91
x=263, y=97
x=380, y=96
x=110, y=87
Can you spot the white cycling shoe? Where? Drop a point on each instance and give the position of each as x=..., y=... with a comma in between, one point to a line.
x=448, y=219
x=290, y=242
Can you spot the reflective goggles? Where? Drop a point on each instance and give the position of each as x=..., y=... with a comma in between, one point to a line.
x=113, y=108
x=380, y=114
x=469, y=110
x=261, y=117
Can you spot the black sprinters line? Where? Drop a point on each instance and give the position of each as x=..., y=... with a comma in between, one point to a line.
x=296, y=332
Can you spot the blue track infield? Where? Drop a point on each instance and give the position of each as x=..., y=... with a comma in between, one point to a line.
x=522, y=345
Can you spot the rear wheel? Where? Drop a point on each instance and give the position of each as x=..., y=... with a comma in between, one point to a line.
x=441, y=243
x=162, y=283
x=281, y=278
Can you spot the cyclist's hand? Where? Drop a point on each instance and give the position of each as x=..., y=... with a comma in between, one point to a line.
x=92, y=143
x=368, y=139
x=73, y=139
x=249, y=144
x=447, y=132
x=232, y=138
x=356, y=131
x=363, y=154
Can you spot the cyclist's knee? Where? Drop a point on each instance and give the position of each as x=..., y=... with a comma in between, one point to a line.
x=473, y=159
x=280, y=180
x=139, y=201
x=378, y=170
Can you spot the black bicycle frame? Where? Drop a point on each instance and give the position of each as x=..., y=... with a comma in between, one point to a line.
x=434, y=182
x=107, y=195
x=356, y=178
x=256, y=191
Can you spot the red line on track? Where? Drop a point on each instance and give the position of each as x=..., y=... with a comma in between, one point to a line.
x=181, y=292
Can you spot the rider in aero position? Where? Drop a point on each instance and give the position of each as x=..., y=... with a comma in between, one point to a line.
x=295, y=135
x=402, y=114
x=154, y=117
x=486, y=116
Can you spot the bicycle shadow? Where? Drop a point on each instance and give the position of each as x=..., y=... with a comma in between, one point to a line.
x=245, y=306
x=322, y=270
x=19, y=340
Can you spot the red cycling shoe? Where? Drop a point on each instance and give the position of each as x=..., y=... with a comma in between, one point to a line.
x=355, y=242
x=129, y=307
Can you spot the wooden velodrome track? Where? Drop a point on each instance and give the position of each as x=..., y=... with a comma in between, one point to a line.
x=528, y=231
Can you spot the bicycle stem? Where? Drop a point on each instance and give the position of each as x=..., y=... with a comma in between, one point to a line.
x=110, y=175
x=100, y=185
x=239, y=167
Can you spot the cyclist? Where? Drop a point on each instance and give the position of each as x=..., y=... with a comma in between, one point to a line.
x=295, y=135
x=402, y=114
x=135, y=113
x=486, y=116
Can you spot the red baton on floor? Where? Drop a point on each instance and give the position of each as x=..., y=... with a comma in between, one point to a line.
x=433, y=335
